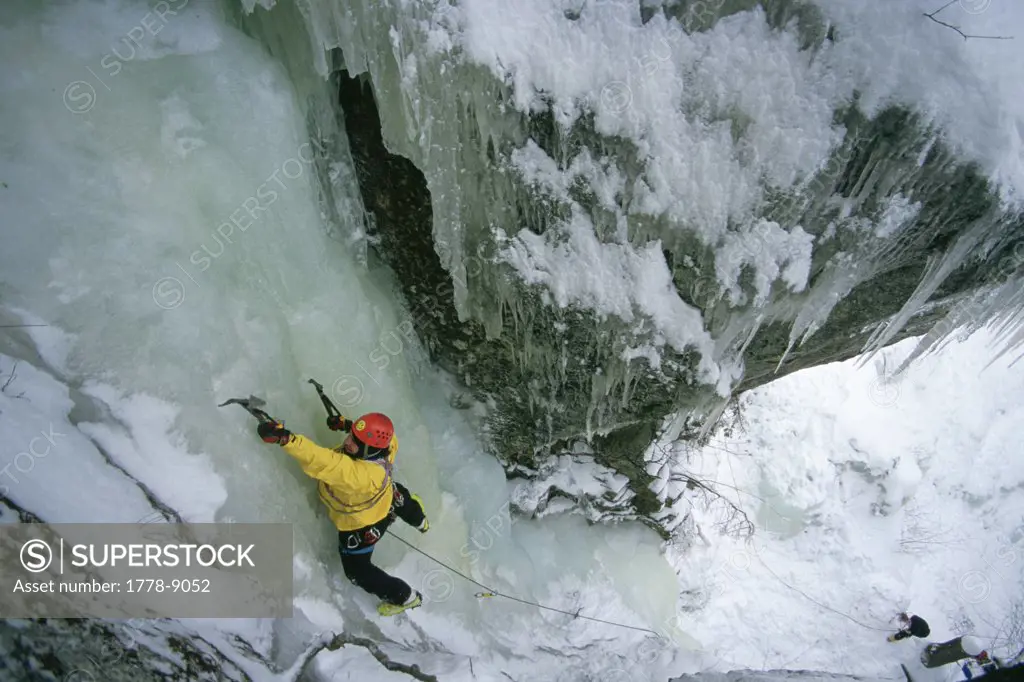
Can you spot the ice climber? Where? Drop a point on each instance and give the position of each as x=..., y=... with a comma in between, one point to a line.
x=356, y=484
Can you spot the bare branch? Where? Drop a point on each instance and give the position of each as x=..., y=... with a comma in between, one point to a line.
x=944, y=7
x=957, y=29
x=14, y=373
x=744, y=526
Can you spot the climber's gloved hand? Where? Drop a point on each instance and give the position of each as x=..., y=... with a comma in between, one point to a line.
x=337, y=423
x=274, y=432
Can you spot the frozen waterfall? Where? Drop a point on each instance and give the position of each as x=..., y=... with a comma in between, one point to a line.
x=183, y=223
x=162, y=218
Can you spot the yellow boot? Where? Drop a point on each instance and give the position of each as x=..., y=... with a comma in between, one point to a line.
x=389, y=609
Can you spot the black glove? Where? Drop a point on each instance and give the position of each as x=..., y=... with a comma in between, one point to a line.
x=274, y=432
x=337, y=423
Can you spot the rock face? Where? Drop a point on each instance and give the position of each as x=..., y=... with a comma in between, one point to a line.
x=83, y=650
x=557, y=377
x=889, y=235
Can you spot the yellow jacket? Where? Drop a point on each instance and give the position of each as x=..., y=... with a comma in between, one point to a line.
x=357, y=492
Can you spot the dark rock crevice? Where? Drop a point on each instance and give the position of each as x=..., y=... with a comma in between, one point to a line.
x=83, y=649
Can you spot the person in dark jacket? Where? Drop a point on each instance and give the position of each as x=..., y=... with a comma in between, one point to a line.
x=912, y=626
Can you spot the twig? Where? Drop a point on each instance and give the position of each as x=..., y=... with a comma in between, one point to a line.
x=14, y=373
x=746, y=527
x=945, y=6
x=957, y=29
x=749, y=530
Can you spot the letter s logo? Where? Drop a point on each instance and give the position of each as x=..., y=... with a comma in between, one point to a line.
x=36, y=556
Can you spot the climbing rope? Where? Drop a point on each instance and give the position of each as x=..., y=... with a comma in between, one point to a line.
x=810, y=598
x=494, y=593
x=760, y=560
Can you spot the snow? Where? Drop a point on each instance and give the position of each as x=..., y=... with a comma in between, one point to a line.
x=48, y=466
x=870, y=497
x=897, y=214
x=577, y=476
x=891, y=52
x=772, y=252
x=148, y=448
x=603, y=177
x=671, y=100
x=740, y=64
x=612, y=279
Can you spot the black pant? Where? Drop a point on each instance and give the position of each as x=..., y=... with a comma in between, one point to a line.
x=356, y=548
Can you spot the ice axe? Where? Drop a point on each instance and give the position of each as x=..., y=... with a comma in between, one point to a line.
x=252, y=405
x=332, y=411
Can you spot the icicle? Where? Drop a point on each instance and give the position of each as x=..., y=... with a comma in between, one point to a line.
x=1010, y=322
x=844, y=274
x=935, y=274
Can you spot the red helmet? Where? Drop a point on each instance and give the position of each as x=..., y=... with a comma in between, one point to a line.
x=374, y=429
